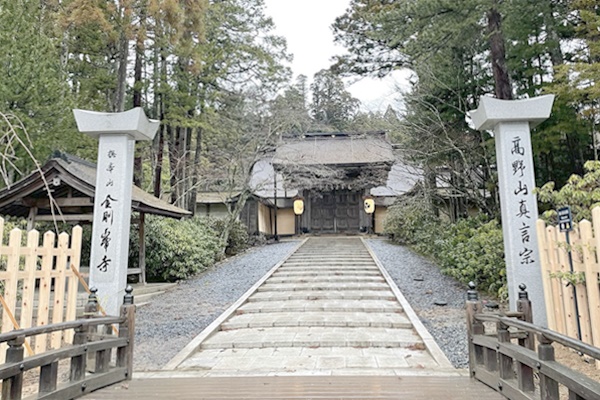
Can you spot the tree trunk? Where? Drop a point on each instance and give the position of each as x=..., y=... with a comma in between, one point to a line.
x=160, y=111
x=187, y=168
x=172, y=137
x=137, y=101
x=196, y=171
x=160, y=138
x=119, y=103
x=498, y=55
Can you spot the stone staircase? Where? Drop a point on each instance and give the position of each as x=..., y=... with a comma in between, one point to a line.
x=327, y=310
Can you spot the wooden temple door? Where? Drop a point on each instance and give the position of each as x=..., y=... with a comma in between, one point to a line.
x=336, y=211
x=347, y=211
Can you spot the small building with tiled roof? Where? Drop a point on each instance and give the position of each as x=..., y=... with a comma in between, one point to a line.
x=63, y=190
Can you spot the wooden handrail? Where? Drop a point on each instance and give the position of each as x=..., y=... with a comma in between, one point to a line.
x=10, y=369
x=87, y=342
x=575, y=344
x=61, y=326
x=510, y=367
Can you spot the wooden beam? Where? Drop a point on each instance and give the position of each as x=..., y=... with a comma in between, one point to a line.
x=142, y=255
x=31, y=218
x=66, y=217
x=60, y=201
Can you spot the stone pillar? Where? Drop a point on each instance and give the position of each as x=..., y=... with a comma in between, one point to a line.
x=117, y=133
x=511, y=121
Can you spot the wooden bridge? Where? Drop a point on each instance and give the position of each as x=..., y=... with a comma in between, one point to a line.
x=327, y=322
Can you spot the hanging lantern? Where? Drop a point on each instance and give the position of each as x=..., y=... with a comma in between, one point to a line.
x=299, y=206
x=369, y=205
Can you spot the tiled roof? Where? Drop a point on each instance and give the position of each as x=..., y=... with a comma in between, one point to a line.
x=80, y=175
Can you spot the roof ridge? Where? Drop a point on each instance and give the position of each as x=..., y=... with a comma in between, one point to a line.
x=71, y=158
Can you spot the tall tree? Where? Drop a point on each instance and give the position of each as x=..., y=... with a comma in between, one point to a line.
x=460, y=51
x=289, y=114
x=33, y=85
x=332, y=105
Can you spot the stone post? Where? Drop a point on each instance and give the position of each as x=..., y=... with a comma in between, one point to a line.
x=117, y=133
x=511, y=121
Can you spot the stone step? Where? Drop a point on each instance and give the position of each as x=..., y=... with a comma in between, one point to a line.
x=345, y=257
x=323, y=262
x=311, y=360
x=316, y=318
x=312, y=268
x=140, y=289
x=324, y=295
x=313, y=337
x=146, y=298
x=267, y=287
x=324, y=279
x=344, y=267
x=320, y=305
x=314, y=272
x=341, y=254
x=328, y=250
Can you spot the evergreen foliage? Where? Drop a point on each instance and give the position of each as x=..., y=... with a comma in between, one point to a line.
x=238, y=239
x=581, y=193
x=462, y=50
x=469, y=250
x=175, y=249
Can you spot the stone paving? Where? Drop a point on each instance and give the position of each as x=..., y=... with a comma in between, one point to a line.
x=329, y=309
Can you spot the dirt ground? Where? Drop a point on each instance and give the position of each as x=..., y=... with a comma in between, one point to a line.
x=571, y=359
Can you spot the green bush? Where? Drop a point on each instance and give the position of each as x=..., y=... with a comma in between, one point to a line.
x=469, y=250
x=410, y=220
x=473, y=251
x=581, y=193
x=176, y=249
x=238, y=239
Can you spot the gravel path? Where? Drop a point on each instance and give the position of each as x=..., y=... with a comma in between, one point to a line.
x=422, y=283
x=183, y=312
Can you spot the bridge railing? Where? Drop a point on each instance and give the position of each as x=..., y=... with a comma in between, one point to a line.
x=503, y=354
x=93, y=343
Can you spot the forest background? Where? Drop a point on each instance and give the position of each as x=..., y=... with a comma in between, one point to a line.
x=214, y=74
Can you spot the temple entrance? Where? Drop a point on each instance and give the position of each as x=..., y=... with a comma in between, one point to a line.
x=336, y=212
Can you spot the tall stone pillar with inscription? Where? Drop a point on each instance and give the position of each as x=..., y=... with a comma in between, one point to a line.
x=117, y=133
x=511, y=121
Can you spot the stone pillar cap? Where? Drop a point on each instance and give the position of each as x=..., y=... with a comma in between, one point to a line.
x=133, y=122
x=492, y=111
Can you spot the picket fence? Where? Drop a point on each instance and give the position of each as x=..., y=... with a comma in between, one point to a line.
x=39, y=278
x=572, y=296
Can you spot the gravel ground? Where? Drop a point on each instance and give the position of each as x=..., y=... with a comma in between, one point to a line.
x=183, y=312
x=180, y=314
x=422, y=283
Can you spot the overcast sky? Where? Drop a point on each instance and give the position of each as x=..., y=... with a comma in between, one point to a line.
x=306, y=24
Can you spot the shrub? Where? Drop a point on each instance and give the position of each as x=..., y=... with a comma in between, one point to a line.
x=473, y=251
x=468, y=250
x=582, y=194
x=176, y=249
x=238, y=239
x=410, y=220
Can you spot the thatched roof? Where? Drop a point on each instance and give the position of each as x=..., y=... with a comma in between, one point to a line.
x=334, y=150
x=72, y=181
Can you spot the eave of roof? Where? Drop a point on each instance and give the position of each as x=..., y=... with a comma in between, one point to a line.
x=80, y=175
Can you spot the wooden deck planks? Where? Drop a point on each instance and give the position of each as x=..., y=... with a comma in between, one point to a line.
x=300, y=387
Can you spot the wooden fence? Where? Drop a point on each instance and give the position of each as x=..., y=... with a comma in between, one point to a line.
x=34, y=277
x=570, y=278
